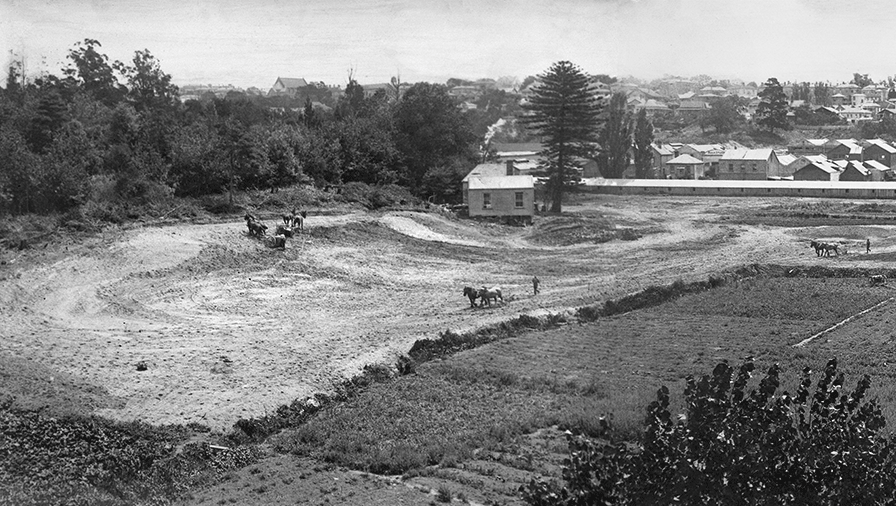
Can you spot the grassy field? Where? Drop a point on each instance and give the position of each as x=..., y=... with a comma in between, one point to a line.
x=484, y=400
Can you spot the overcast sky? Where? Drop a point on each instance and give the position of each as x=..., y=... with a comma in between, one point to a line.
x=252, y=42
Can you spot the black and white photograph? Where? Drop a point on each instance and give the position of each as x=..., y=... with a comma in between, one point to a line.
x=486, y=253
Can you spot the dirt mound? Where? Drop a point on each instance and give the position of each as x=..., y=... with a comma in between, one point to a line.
x=353, y=290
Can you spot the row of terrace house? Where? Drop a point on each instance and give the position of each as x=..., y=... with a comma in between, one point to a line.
x=821, y=168
x=732, y=161
x=505, y=188
x=669, y=164
x=878, y=150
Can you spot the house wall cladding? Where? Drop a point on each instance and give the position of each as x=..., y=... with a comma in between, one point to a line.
x=503, y=202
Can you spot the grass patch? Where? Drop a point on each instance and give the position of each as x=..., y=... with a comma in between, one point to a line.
x=571, y=375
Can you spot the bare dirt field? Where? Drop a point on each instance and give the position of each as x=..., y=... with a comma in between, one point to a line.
x=229, y=328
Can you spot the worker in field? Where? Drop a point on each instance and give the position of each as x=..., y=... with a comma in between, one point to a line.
x=868, y=245
x=535, y=285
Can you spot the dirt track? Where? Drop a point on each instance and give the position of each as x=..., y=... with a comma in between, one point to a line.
x=230, y=328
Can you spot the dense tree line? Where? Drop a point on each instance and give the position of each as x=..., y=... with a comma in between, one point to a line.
x=104, y=130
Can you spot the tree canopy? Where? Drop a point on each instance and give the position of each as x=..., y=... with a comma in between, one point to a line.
x=643, y=152
x=724, y=114
x=117, y=135
x=772, y=110
x=616, y=138
x=564, y=111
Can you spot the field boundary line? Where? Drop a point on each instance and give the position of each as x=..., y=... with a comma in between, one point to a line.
x=844, y=322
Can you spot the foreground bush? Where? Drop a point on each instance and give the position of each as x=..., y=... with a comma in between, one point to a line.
x=85, y=460
x=733, y=446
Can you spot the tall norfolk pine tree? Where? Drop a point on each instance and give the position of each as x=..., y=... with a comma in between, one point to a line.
x=564, y=111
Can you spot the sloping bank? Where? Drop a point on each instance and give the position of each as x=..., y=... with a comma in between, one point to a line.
x=449, y=342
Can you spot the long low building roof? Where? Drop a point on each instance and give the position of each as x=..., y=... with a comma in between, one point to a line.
x=715, y=183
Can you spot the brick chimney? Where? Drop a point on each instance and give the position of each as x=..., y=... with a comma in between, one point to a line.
x=509, y=164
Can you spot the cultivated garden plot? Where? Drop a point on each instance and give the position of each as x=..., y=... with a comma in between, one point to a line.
x=479, y=402
x=227, y=328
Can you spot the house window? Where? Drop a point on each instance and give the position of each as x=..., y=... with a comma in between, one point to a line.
x=486, y=200
x=754, y=167
x=518, y=200
x=731, y=167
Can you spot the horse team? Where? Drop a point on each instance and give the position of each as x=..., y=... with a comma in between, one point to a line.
x=292, y=223
x=487, y=295
x=823, y=249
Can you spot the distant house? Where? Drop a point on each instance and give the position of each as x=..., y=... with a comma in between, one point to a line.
x=465, y=91
x=855, y=115
x=710, y=154
x=855, y=171
x=808, y=147
x=511, y=197
x=651, y=105
x=843, y=149
x=662, y=153
x=880, y=151
x=692, y=108
x=516, y=150
x=686, y=167
x=838, y=99
x=879, y=171
x=745, y=91
x=815, y=168
x=287, y=86
x=786, y=160
x=371, y=89
x=751, y=165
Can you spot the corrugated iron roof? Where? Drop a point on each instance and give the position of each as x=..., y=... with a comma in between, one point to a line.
x=883, y=145
x=501, y=183
x=786, y=159
x=875, y=165
x=487, y=170
x=747, y=154
x=684, y=159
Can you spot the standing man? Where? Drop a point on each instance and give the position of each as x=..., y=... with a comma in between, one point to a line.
x=868, y=245
x=535, y=285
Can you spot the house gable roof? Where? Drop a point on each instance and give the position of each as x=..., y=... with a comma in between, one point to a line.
x=819, y=162
x=747, y=154
x=487, y=170
x=856, y=166
x=882, y=144
x=663, y=149
x=875, y=165
x=684, y=159
x=292, y=82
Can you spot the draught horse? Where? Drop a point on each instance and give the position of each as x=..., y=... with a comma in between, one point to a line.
x=487, y=294
x=472, y=294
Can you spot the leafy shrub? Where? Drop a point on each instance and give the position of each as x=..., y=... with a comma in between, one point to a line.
x=735, y=446
x=406, y=365
x=84, y=460
x=377, y=197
